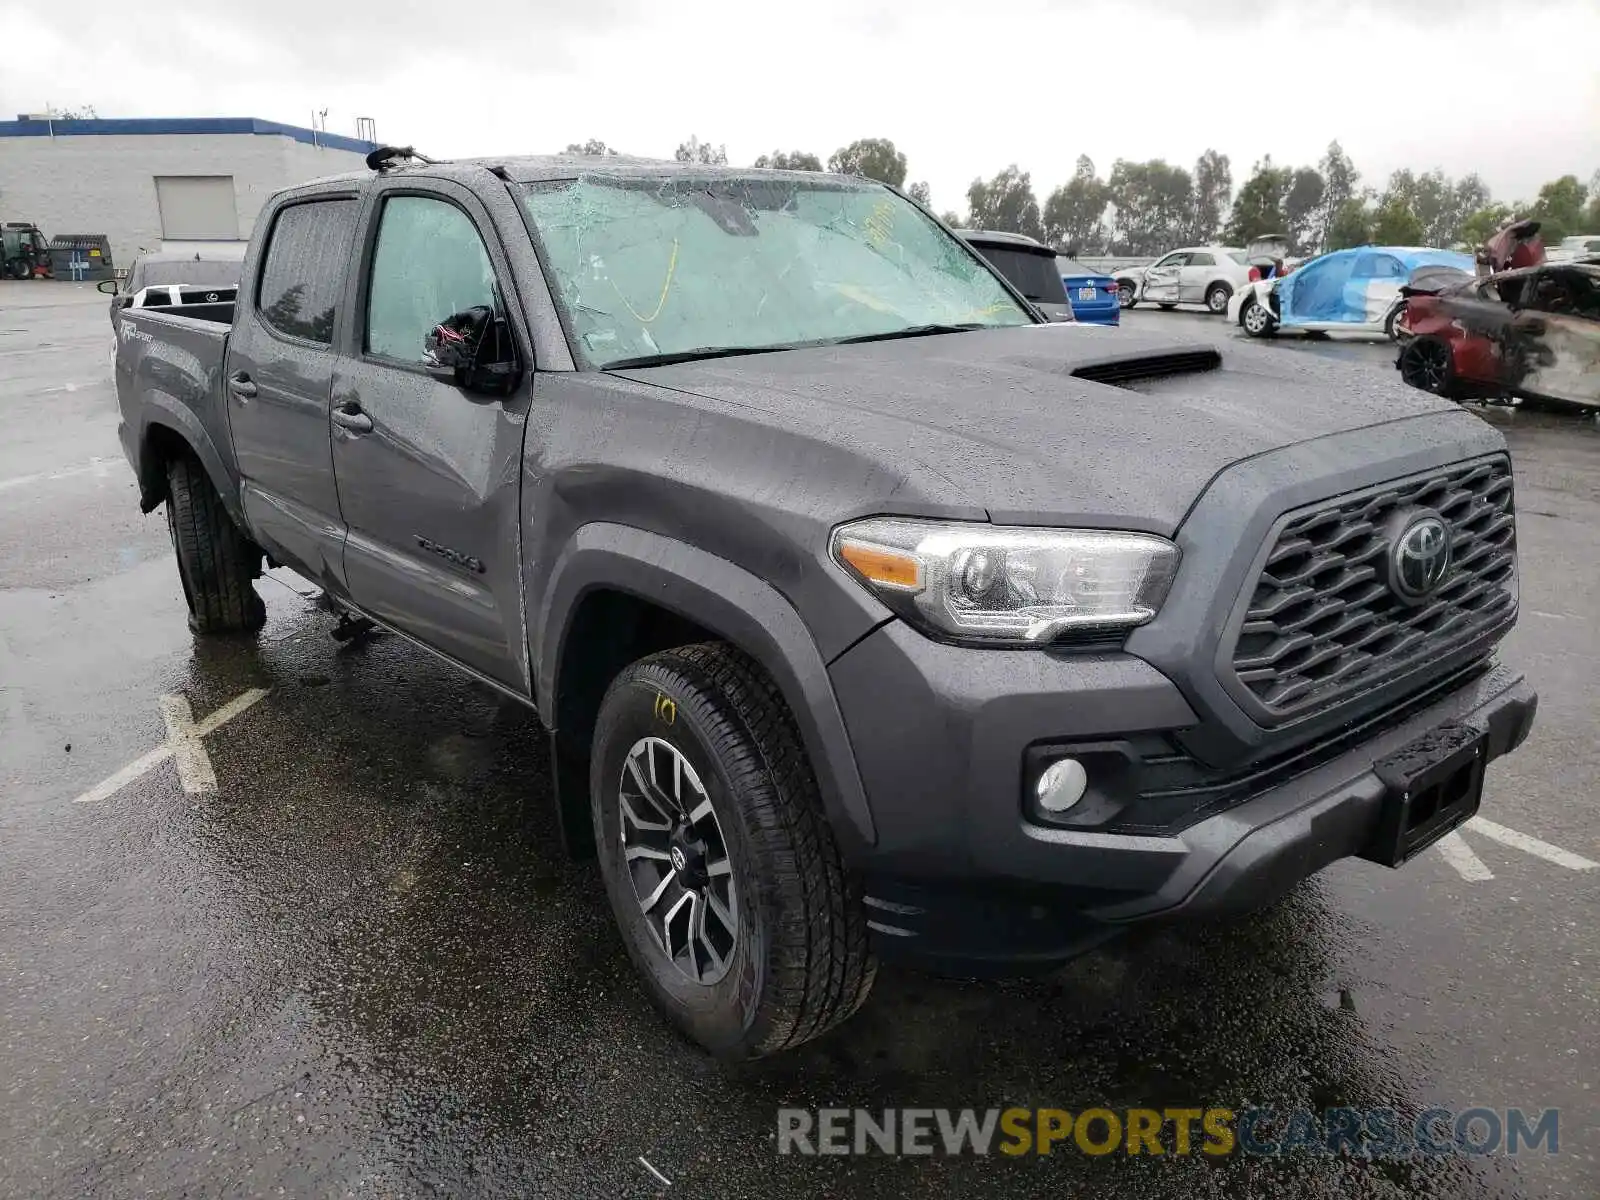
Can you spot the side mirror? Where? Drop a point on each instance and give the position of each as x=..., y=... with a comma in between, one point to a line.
x=107, y=287
x=473, y=350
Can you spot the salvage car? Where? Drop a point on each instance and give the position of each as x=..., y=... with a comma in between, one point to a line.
x=1092, y=294
x=1576, y=248
x=1028, y=264
x=866, y=614
x=1344, y=291
x=1206, y=275
x=1529, y=334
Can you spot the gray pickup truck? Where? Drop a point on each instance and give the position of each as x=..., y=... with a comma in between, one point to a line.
x=867, y=612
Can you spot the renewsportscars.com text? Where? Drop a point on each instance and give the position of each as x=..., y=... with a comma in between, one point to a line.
x=1218, y=1132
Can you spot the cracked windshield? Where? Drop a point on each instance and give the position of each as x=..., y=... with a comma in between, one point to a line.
x=680, y=265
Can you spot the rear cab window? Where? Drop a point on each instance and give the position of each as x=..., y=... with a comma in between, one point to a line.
x=303, y=271
x=1031, y=273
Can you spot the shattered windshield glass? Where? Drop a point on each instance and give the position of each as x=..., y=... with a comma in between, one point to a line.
x=649, y=266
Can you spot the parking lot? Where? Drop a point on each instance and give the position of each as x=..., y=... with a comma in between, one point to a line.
x=285, y=916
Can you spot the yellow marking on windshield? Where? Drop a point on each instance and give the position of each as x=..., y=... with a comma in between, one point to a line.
x=666, y=286
x=880, y=223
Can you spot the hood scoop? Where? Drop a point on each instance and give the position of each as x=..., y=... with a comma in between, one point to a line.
x=1122, y=370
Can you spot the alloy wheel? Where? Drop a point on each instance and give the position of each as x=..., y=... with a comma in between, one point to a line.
x=1426, y=367
x=677, y=860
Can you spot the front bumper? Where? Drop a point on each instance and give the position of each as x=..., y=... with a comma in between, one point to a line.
x=961, y=872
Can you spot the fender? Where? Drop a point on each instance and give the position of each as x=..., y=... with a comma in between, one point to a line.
x=735, y=605
x=160, y=409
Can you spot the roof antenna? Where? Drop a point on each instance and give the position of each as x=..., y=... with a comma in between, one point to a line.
x=385, y=158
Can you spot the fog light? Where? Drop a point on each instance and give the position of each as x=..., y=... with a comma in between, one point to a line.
x=1061, y=785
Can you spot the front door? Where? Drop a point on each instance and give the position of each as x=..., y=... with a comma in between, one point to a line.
x=277, y=379
x=1161, y=279
x=429, y=473
x=1194, y=275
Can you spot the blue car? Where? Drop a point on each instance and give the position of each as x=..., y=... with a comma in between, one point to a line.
x=1093, y=295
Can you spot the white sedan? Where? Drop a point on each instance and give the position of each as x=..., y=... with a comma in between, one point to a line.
x=1208, y=275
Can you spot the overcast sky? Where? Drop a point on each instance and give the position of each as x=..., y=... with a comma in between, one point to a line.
x=963, y=89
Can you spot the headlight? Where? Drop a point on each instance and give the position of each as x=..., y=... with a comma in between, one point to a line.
x=991, y=583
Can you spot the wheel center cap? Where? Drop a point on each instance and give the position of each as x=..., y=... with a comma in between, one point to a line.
x=688, y=856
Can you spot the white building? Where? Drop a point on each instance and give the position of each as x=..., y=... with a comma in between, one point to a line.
x=145, y=182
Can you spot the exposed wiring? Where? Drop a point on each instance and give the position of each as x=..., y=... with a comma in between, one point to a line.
x=666, y=286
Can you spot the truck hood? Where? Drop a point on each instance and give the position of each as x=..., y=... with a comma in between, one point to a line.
x=1014, y=421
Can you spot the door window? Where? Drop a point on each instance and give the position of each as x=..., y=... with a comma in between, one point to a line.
x=430, y=264
x=304, y=269
x=1171, y=260
x=1378, y=266
x=1202, y=260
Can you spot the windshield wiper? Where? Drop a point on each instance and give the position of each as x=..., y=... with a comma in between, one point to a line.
x=909, y=331
x=683, y=356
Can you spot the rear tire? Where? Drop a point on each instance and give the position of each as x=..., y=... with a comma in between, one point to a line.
x=216, y=562
x=1217, y=298
x=1425, y=363
x=796, y=960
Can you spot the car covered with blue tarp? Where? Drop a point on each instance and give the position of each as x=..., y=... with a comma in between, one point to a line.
x=1355, y=291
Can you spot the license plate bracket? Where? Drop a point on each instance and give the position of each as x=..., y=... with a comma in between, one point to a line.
x=1432, y=785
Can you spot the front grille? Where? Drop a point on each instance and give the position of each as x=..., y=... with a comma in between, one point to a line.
x=1323, y=624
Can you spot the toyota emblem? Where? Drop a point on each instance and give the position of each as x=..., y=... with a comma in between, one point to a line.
x=1419, y=559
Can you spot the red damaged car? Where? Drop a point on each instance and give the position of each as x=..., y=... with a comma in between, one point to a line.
x=1531, y=333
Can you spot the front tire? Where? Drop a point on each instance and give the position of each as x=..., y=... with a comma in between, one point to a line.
x=1127, y=294
x=216, y=562
x=722, y=872
x=1257, y=321
x=1217, y=298
x=1391, y=321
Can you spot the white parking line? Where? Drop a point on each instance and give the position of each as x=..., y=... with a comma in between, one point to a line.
x=188, y=752
x=183, y=741
x=1455, y=851
x=1532, y=845
x=97, y=466
x=1460, y=856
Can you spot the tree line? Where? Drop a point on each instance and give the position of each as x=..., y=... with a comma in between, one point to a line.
x=1147, y=208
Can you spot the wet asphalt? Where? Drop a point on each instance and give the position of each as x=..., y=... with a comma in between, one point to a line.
x=362, y=967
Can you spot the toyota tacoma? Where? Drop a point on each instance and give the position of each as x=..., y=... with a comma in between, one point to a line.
x=868, y=613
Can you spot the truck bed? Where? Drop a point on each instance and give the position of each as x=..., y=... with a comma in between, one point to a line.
x=169, y=372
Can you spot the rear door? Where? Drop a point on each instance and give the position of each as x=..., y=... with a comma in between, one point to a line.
x=1373, y=288
x=277, y=379
x=1161, y=280
x=429, y=474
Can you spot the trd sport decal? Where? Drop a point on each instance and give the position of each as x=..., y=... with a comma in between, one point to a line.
x=455, y=556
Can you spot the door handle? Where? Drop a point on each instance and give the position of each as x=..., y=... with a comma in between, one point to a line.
x=239, y=384
x=350, y=417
